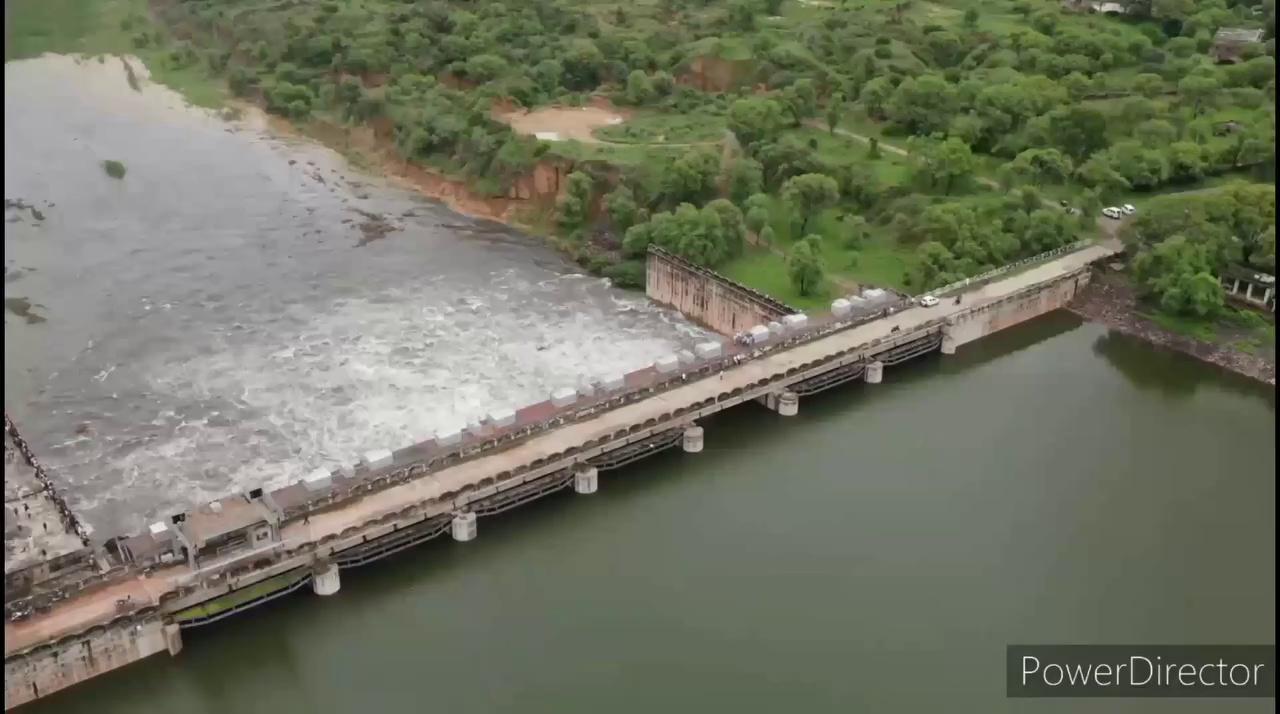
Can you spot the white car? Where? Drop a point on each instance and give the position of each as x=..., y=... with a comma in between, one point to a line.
x=928, y=301
x=1128, y=209
x=1111, y=212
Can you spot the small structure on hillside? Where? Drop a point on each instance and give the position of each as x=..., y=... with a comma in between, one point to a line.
x=1230, y=42
x=1223, y=128
x=1092, y=6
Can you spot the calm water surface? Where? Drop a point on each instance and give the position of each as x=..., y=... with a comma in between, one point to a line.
x=1054, y=483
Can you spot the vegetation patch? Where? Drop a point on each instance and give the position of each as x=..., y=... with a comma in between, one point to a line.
x=239, y=597
x=113, y=168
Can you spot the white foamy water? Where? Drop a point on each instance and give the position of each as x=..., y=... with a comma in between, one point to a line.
x=213, y=324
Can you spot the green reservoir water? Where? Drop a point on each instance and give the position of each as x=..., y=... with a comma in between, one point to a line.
x=1054, y=483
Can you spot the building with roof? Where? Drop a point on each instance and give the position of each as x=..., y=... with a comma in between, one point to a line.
x=1230, y=43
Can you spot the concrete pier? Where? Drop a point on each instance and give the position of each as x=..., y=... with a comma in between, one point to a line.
x=786, y=403
x=875, y=372
x=326, y=581
x=948, y=343
x=172, y=638
x=463, y=527
x=693, y=440
x=586, y=480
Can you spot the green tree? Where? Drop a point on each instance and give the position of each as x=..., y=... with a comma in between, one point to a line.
x=875, y=97
x=1186, y=161
x=621, y=205
x=854, y=231
x=1200, y=90
x=485, y=67
x=1038, y=167
x=941, y=164
x=1155, y=133
x=576, y=201
x=800, y=100
x=757, y=218
x=691, y=178
x=731, y=225
x=1078, y=131
x=1178, y=275
x=873, y=149
x=834, y=107
x=742, y=14
x=809, y=194
x=1148, y=85
x=805, y=266
x=922, y=105
x=746, y=178
x=766, y=235
x=755, y=119
x=639, y=89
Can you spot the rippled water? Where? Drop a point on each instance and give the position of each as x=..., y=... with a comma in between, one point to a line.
x=218, y=320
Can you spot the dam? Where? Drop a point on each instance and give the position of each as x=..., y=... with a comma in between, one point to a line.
x=137, y=593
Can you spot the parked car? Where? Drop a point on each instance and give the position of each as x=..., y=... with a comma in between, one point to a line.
x=1128, y=209
x=1111, y=212
x=928, y=301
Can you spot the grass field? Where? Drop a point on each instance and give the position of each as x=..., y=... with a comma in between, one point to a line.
x=656, y=128
x=95, y=27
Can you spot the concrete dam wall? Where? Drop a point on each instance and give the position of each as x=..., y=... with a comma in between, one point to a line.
x=397, y=501
x=970, y=325
x=706, y=297
x=71, y=660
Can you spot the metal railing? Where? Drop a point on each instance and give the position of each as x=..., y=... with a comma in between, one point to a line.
x=986, y=277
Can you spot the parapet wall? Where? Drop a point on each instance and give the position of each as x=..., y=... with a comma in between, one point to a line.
x=706, y=297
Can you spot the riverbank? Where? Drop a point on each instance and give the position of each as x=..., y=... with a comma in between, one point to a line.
x=1111, y=301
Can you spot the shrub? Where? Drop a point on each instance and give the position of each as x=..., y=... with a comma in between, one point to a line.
x=114, y=169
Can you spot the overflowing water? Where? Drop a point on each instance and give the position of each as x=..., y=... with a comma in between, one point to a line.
x=240, y=309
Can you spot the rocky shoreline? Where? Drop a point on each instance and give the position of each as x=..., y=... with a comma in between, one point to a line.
x=1109, y=299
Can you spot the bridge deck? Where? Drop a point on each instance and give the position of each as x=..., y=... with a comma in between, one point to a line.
x=79, y=613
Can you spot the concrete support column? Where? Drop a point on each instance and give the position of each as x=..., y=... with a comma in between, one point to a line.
x=1266, y=296
x=693, y=440
x=1235, y=287
x=325, y=580
x=1248, y=291
x=463, y=527
x=948, y=342
x=788, y=404
x=172, y=638
x=875, y=372
x=586, y=480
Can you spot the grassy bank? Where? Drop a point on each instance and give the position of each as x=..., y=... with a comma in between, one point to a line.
x=110, y=27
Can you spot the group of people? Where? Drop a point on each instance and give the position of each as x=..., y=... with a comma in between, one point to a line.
x=64, y=512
